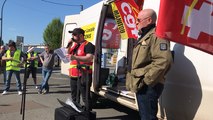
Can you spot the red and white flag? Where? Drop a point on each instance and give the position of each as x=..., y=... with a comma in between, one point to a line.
x=188, y=22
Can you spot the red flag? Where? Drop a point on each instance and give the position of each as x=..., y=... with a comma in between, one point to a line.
x=140, y=4
x=111, y=36
x=125, y=13
x=188, y=22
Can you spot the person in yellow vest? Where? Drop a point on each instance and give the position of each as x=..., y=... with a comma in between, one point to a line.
x=32, y=64
x=80, y=53
x=13, y=65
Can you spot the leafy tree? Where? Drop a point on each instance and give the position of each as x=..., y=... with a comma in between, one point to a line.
x=53, y=33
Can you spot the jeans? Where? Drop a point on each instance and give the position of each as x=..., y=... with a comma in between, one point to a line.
x=147, y=99
x=46, y=73
x=5, y=76
x=8, y=79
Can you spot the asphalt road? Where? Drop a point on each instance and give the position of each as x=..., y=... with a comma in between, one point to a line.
x=42, y=107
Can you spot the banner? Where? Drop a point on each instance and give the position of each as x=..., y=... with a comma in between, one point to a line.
x=111, y=37
x=139, y=4
x=188, y=22
x=125, y=13
x=89, y=31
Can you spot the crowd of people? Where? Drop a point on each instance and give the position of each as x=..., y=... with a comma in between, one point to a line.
x=151, y=60
x=13, y=59
x=80, y=52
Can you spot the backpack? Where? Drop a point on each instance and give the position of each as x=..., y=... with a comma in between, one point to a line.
x=112, y=80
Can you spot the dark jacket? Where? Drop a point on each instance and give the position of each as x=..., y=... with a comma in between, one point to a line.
x=151, y=60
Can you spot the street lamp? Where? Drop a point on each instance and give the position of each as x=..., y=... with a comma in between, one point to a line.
x=81, y=7
x=2, y=8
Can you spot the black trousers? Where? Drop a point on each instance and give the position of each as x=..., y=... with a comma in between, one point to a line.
x=73, y=86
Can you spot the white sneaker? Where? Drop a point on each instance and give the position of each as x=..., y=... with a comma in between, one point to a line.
x=4, y=92
x=19, y=93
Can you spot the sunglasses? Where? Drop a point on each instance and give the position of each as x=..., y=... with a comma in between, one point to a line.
x=140, y=20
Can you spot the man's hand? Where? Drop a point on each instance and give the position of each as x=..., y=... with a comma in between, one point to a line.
x=9, y=58
x=32, y=58
x=68, y=55
x=20, y=65
x=70, y=43
x=73, y=57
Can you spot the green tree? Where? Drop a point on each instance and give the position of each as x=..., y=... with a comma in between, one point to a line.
x=53, y=33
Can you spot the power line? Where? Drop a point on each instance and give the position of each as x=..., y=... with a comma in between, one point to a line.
x=61, y=4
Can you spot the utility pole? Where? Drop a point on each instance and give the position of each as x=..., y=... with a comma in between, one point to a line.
x=2, y=10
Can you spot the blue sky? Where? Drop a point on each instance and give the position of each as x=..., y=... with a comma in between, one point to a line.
x=29, y=18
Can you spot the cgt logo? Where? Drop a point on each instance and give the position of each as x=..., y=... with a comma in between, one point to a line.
x=129, y=19
x=111, y=36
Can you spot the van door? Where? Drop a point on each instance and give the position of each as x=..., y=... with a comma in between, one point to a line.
x=70, y=23
x=111, y=59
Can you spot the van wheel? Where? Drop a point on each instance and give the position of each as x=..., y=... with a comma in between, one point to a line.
x=94, y=98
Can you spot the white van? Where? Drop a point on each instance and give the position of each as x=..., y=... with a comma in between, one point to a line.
x=188, y=89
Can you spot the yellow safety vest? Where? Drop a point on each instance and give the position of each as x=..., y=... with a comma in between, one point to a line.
x=13, y=64
x=35, y=61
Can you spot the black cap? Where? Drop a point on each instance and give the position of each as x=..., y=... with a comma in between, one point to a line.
x=77, y=31
x=12, y=43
